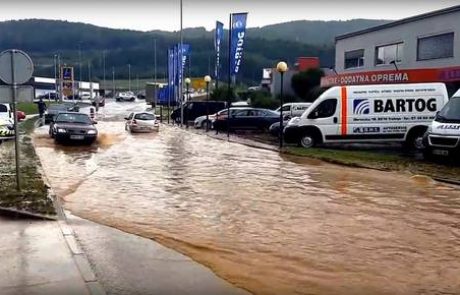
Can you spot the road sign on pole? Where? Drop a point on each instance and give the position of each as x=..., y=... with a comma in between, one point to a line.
x=24, y=93
x=16, y=68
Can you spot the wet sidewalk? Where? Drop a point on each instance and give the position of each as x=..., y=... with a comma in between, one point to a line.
x=129, y=264
x=45, y=258
x=36, y=259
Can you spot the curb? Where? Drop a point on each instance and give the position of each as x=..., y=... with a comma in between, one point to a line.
x=79, y=257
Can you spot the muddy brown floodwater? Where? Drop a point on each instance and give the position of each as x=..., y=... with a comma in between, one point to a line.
x=270, y=224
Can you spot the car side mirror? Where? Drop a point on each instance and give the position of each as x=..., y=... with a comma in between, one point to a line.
x=126, y=118
x=94, y=122
x=313, y=115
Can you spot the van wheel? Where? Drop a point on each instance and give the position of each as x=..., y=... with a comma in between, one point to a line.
x=414, y=140
x=307, y=141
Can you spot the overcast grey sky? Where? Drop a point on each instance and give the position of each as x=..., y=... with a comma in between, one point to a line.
x=148, y=15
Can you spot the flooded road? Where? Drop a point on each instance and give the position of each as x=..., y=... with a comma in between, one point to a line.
x=270, y=224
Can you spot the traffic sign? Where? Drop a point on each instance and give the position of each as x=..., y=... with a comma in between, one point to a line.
x=24, y=93
x=15, y=62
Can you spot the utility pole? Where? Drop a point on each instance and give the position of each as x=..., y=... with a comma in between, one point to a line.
x=129, y=77
x=180, y=65
x=103, y=62
x=55, y=76
x=59, y=77
x=79, y=62
x=113, y=82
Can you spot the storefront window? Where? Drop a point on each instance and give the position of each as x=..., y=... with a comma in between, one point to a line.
x=389, y=54
x=354, y=59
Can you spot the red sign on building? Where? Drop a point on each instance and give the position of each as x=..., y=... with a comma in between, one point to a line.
x=393, y=77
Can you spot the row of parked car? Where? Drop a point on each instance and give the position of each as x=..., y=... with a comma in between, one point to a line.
x=421, y=116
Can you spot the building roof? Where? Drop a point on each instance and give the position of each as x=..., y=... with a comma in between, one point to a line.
x=400, y=22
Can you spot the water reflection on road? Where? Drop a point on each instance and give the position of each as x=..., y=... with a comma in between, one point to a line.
x=271, y=224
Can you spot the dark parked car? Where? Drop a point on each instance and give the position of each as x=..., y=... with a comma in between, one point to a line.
x=274, y=129
x=248, y=118
x=77, y=127
x=55, y=109
x=195, y=109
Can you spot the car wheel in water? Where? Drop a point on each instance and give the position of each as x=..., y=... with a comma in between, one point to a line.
x=307, y=141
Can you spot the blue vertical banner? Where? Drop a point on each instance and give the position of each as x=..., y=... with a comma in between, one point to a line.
x=170, y=74
x=218, y=40
x=237, y=41
x=175, y=66
x=183, y=55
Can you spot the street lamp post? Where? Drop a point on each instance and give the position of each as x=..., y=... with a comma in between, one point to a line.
x=187, y=93
x=282, y=68
x=207, y=79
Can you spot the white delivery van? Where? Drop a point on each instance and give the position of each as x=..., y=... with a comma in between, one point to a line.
x=443, y=136
x=294, y=109
x=370, y=113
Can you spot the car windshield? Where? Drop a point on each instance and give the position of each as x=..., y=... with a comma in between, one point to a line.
x=144, y=117
x=451, y=111
x=74, y=118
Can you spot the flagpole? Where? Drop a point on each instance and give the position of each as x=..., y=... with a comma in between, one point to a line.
x=180, y=65
x=229, y=74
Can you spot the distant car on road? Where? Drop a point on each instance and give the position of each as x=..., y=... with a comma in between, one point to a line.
x=247, y=118
x=126, y=96
x=141, y=122
x=54, y=109
x=85, y=96
x=73, y=127
x=101, y=100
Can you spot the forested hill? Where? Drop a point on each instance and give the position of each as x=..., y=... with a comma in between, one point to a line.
x=44, y=38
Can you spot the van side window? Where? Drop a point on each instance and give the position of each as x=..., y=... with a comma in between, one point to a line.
x=325, y=109
x=286, y=108
x=3, y=108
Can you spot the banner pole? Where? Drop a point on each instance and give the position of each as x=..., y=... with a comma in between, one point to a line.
x=229, y=74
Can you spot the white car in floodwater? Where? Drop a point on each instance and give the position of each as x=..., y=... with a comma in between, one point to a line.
x=142, y=122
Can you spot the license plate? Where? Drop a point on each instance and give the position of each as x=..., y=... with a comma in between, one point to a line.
x=440, y=152
x=77, y=137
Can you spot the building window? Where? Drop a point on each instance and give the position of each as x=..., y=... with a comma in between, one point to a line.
x=388, y=54
x=354, y=59
x=434, y=47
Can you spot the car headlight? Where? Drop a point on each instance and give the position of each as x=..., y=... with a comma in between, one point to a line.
x=61, y=130
x=92, y=132
x=293, y=121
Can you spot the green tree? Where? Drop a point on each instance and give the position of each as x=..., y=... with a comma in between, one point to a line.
x=263, y=99
x=305, y=82
x=222, y=94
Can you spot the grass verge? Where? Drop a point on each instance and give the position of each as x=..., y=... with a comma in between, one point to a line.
x=31, y=108
x=381, y=161
x=33, y=197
